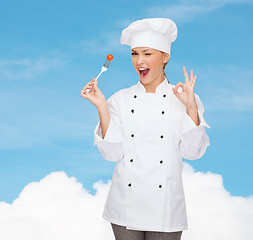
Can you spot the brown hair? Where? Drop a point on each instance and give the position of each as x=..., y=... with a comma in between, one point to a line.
x=164, y=74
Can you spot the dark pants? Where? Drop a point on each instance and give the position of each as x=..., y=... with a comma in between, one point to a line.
x=121, y=233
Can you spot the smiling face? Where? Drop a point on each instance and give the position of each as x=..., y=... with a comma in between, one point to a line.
x=148, y=63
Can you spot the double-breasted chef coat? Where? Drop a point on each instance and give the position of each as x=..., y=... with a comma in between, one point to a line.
x=148, y=135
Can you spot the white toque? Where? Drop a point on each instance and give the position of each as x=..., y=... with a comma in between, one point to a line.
x=157, y=33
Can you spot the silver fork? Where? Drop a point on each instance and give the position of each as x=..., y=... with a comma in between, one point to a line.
x=103, y=69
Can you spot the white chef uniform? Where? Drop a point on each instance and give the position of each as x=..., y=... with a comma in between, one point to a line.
x=147, y=137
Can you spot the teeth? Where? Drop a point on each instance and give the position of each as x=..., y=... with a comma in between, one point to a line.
x=141, y=69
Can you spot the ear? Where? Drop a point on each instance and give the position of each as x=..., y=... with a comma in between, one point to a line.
x=166, y=57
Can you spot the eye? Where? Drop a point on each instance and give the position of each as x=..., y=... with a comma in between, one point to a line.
x=148, y=54
x=133, y=53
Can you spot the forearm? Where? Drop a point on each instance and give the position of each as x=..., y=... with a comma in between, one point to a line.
x=104, y=117
x=192, y=111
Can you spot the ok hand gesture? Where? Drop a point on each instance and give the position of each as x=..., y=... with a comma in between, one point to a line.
x=187, y=95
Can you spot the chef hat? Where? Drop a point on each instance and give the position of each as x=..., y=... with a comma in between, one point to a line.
x=157, y=33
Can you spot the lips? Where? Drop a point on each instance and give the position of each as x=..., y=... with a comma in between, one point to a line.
x=144, y=71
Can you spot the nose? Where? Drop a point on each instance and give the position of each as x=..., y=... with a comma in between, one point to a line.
x=140, y=60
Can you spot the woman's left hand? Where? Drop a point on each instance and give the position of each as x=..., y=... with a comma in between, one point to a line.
x=187, y=95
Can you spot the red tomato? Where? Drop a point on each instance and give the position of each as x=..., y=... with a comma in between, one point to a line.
x=109, y=57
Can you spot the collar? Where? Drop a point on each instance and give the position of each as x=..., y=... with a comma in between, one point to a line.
x=159, y=89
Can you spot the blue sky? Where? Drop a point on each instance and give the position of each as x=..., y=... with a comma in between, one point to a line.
x=49, y=50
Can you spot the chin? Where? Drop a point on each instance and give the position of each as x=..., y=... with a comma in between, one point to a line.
x=145, y=80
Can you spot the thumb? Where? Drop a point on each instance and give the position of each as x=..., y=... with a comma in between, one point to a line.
x=175, y=91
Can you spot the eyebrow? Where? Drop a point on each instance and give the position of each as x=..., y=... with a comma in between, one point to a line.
x=143, y=50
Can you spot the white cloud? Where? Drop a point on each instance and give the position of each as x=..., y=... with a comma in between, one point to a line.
x=179, y=13
x=103, y=43
x=226, y=87
x=213, y=213
x=27, y=68
x=184, y=11
x=58, y=207
x=188, y=10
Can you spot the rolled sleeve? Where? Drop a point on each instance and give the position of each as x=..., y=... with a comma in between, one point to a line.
x=194, y=139
x=111, y=145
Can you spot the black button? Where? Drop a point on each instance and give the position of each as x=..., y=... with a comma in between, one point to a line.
x=132, y=111
x=160, y=186
x=161, y=161
x=162, y=112
x=129, y=185
x=135, y=96
x=131, y=160
x=164, y=95
x=161, y=136
x=132, y=135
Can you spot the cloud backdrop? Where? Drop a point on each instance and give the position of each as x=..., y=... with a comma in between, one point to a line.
x=59, y=207
x=50, y=49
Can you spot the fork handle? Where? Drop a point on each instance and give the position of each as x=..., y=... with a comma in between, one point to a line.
x=102, y=70
x=99, y=74
x=95, y=80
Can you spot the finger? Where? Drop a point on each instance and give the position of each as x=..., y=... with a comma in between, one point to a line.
x=94, y=87
x=180, y=84
x=91, y=82
x=96, y=83
x=86, y=92
x=185, y=75
x=83, y=94
x=87, y=87
x=175, y=91
x=191, y=76
x=194, y=80
x=88, y=84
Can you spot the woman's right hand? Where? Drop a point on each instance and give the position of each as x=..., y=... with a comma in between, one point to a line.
x=95, y=96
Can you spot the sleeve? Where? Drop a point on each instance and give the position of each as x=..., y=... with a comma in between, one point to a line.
x=194, y=139
x=111, y=145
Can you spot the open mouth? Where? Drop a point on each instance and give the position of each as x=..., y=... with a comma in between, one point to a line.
x=144, y=71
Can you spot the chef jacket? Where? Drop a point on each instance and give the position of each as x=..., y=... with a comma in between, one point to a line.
x=147, y=137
